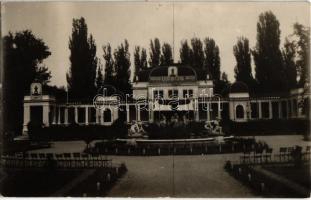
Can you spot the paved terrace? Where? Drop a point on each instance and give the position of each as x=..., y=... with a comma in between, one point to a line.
x=194, y=176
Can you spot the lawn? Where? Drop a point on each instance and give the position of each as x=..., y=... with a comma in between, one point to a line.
x=35, y=182
x=299, y=175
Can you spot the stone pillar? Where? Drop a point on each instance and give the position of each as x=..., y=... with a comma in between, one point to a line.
x=127, y=113
x=66, y=115
x=219, y=111
x=58, y=121
x=138, y=113
x=196, y=110
x=54, y=115
x=76, y=114
x=280, y=109
x=270, y=110
x=86, y=115
x=208, y=107
x=26, y=118
x=259, y=110
x=97, y=116
x=46, y=110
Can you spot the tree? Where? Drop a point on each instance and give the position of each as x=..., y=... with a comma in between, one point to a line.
x=122, y=67
x=185, y=53
x=288, y=54
x=99, y=77
x=109, y=65
x=155, y=52
x=303, y=51
x=140, y=60
x=197, y=54
x=82, y=73
x=23, y=54
x=167, y=55
x=267, y=55
x=137, y=64
x=143, y=59
x=212, y=59
x=243, y=70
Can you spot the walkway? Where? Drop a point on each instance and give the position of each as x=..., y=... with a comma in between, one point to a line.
x=194, y=176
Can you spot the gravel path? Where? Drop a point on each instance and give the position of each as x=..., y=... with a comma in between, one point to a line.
x=194, y=176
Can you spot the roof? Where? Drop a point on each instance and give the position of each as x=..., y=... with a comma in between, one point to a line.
x=239, y=87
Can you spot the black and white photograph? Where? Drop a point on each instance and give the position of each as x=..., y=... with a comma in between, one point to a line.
x=147, y=99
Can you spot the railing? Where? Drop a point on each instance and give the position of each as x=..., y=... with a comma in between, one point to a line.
x=285, y=155
x=66, y=160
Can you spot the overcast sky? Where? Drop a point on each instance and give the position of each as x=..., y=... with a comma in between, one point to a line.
x=138, y=22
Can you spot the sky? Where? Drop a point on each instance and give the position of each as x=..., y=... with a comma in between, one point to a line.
x=138, y=22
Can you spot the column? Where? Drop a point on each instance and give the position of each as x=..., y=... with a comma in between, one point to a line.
x=66, y=115
x=58, y=121
x=138, y=113
x=196, y=110
x=270, y=110
x=280, y=109
x=208, y=105
x=54, y=114
x=259, y=110
x=76, y=114
x=219, y=111
x=97, y=116
x=46, y=110
x=26, y=118
x=86, y=115
x=127, y=113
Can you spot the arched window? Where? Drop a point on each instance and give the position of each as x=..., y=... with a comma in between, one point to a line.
x=107, y=115
x=239, y=112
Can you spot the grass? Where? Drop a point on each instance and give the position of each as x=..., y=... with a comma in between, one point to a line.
x=299, y=175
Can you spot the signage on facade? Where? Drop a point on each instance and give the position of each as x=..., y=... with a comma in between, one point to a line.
x=171, y=78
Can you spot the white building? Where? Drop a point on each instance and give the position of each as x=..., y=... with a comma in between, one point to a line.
x=164, y=91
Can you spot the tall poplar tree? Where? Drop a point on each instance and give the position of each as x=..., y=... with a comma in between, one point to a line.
x=267, y=55
x=155, y=53
x=122, y=68
x=197, y=54
x=167, y=55
x=185, y=53
x=109, y=65
x=289, y=63
x=82, y=72
x=243, y=70
x=212, y=59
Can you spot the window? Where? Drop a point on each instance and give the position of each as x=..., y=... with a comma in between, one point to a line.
x=157, y=94
x=239, y=111
x=172, y=93
x=254, y=110
x=187, y=93
x=107, y=115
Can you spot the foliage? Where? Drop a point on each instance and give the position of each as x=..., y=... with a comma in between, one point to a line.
x=82, y=73
x=23, y=56
x=185, y=53
x=267, y=55
x=288, y=53
x=140, y=60
x=109, y=65
x=167, y=55
x=212, y=59
x=303, y=51
x=122, y=65
x=155, y=52
x=243, y=70
x=99, y=77
x=196, y=53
